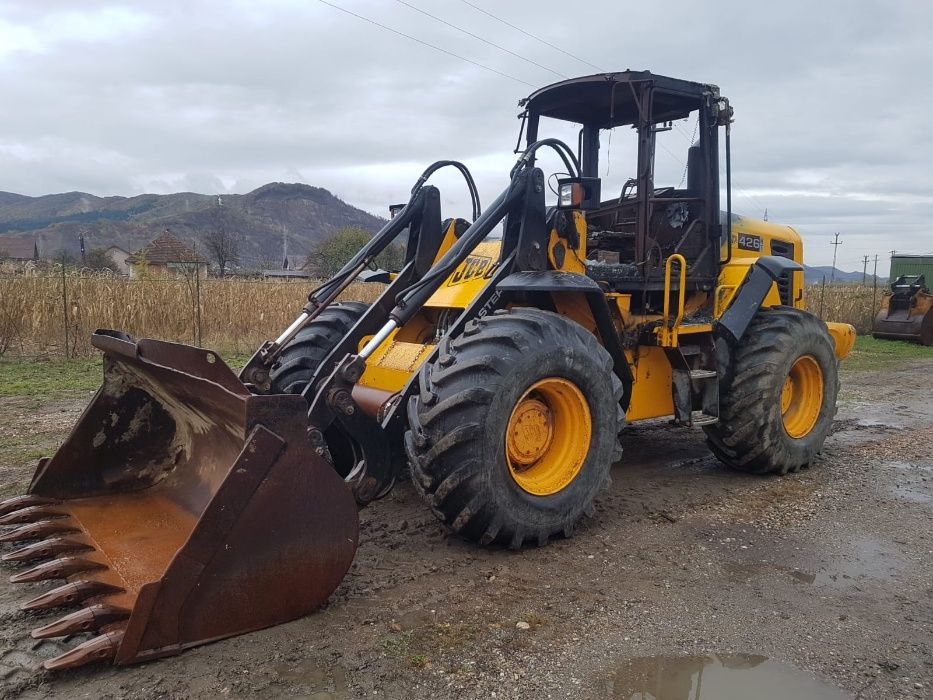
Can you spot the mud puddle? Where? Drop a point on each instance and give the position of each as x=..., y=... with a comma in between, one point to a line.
x=914, y=482
x=865, y=560
x=715, y=677
x=322, y=683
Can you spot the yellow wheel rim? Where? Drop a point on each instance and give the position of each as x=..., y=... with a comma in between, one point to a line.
x=802, y=396
x=548, y=436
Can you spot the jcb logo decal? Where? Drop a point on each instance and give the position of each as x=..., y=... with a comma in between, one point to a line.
x=474, y=267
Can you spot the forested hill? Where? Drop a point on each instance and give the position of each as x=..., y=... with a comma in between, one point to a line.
x=260, y=219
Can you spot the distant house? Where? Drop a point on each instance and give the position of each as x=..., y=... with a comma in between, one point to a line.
x=295, y=262
x=292, y=268
x=119, y=257
x=19, y=249
x=285, y=274
x=165, y=255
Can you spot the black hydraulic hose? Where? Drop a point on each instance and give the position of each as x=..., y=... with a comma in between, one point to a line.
x=389, y=232
x=412, y=298
x=434, y=167
x=409, y=301
x=562, y=149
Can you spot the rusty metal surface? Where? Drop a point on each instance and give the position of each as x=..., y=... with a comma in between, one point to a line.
x=905, y=317
x=180, y=510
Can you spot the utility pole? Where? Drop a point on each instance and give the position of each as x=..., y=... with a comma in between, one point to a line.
x=874, y=286
x=766, y=213
x=864, y=269
x=835, y=244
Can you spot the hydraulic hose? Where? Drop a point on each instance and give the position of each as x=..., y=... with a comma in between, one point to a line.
x=562, y=149
x=471, y=185
x=413, y=298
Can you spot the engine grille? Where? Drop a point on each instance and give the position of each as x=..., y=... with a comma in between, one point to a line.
x=785, y=289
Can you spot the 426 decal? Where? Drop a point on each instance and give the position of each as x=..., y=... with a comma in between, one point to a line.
x=746, y=241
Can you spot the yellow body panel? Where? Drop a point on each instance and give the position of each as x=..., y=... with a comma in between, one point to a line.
x=751, y=239
x=469, y=278
x=651, y=391
x=393, y=363
x=843, y=336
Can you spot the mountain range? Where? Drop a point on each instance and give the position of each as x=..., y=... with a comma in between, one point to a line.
x=261, y=219
x=815, y=275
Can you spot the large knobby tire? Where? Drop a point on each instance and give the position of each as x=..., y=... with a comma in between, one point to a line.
x=300, y=360
x=778, y=399
x=549, y=384
x=301, y=357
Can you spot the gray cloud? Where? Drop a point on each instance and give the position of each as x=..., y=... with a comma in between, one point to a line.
x=121, y=98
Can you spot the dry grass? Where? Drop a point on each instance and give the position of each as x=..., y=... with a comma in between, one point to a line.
x=236, y=315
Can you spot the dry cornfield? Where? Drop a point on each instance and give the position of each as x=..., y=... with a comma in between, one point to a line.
x=235, y=315
x=846, y=303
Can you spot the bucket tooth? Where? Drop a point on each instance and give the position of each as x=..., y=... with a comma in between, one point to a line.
x=70, y=594
x=38, y=530
x=48, y=548
x=31, y=514
x=25, y=501
x=102, y=648
x=57, y=568
x=85, y=620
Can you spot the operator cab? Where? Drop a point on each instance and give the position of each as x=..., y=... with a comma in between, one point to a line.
x=631, y=233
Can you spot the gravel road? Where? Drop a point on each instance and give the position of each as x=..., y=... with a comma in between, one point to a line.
x=826, y=575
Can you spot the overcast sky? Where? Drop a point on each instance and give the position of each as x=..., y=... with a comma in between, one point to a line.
x=832, y=99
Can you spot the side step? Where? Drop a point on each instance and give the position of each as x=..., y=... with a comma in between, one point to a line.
x=700, y=418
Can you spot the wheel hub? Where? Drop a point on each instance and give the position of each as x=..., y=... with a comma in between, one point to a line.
x=802, y=397
x=548, y=436
x=531, y=431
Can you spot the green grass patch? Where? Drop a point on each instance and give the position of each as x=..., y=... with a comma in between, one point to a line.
x=874, y=354
x=44, y=378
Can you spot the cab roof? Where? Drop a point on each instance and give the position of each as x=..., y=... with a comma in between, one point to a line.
x=611, y=99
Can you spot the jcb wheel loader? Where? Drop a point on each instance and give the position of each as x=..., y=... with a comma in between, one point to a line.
x=191, y=504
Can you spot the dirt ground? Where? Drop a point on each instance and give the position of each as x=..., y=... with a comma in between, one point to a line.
x=829, y=571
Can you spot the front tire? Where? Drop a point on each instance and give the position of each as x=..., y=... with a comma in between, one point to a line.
x=515, y=427
x=300, y=360
x=301, y=357
x=778, y=398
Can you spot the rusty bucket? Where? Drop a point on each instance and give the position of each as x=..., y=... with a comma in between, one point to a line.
x=180, y=510
x=906, y=315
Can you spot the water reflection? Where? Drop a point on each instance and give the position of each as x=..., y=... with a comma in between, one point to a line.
x=716, y=677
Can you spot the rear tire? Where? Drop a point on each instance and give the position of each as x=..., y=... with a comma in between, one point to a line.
x=778, y=398
x=301, y=357
x=515, y=427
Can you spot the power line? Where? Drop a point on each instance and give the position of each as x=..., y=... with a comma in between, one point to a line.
x=425, y=43
x=529, y=34
x=475, y=36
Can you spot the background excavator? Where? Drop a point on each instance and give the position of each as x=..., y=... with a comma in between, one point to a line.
x=500, y=363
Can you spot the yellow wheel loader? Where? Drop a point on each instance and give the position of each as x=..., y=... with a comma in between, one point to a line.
x=501, y=363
